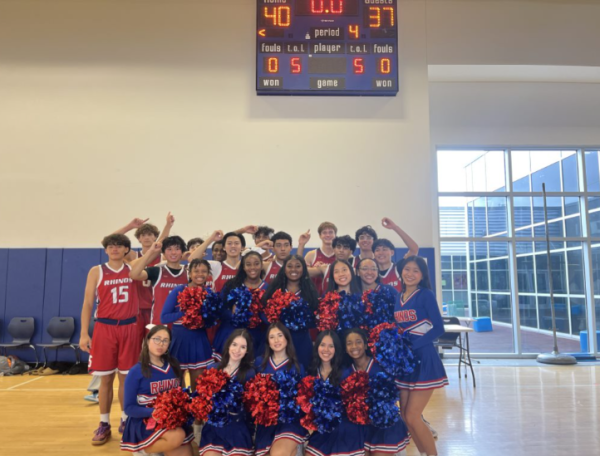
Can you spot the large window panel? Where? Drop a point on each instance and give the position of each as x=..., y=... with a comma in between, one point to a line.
x=478, y=281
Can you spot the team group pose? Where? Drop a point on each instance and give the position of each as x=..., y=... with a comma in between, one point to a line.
x=263, y=314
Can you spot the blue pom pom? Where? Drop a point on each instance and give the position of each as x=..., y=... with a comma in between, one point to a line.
x=287, y=383
x=351, y=312
x=383, y=302
x=211, y=308
x=394, y=354
x=326, y=405
x=382, y=398
x=297, y=316
x=225, y=402
x=241, y=297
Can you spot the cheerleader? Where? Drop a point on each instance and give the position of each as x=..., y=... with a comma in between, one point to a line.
x=293, y=277
x=341, y=277
x=156, y=372
x=190, y=346
x=347, y=438
x=235, y=438
x=418, y=313
x=378, y=441
x=250, y=276
x=281, y=439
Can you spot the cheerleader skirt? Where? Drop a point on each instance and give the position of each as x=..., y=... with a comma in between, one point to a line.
x=303, y=346
x=137, y=438
x=232, y=439
x=347, y=439
x=389, y=440
x=429, y=372
x=191, y=347
x=266, y=436
x=223, y=333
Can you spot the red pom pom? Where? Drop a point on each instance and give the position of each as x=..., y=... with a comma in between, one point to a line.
x=374, y=335
x=366, y=298
x=210, y=382
x=190, y=302
x=279, y=301
x=261, y=399
x=327, y=315
x=354, y=397
x=170, y=409
x=256, y=308
x=306, y=391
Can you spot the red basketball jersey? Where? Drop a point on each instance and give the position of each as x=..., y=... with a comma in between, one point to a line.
x=272, y=271
x=325, y=282
x=320, y=257
x=163, y=286
x=227, y=273
x=116, y=293
x=144, y=288
x=391, y=278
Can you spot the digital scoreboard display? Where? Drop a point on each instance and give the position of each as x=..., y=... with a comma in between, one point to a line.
x=327, y=47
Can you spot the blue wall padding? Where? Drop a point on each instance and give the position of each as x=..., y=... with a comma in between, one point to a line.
x=46, y=283
x=3, y=278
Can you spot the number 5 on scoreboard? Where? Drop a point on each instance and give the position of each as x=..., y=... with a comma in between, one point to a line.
x=359, y=65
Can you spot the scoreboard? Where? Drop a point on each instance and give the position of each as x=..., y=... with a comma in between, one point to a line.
x=327, y=47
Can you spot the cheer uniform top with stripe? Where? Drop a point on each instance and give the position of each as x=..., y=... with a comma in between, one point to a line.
x=346, y=439
x=389, y=440
x=267, y=435
x=140, y=392
x=233, y=438
x=189, y=346
x=420, y=317
x=391, y=278
x=167, y=280
x=226, y=328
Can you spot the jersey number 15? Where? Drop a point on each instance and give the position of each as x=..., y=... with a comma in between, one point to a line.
x=120, y=295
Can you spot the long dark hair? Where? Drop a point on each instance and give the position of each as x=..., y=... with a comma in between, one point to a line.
x=421, y=264
x=241, y=276
x=363, y=335
x=166, y=357
x=290, y=350
x=355, y=286
x=247, y=362
x=336, y=362
x=308, y=292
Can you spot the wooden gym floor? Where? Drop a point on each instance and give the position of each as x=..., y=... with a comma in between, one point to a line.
x=547, y=410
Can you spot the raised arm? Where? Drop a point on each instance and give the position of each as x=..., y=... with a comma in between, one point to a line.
x=133, y=225
x=302, y=241
x=166, y=232
x=86, y=310
x=201, y=250
x=138, y=266
x=249, y=229
x=413, y=248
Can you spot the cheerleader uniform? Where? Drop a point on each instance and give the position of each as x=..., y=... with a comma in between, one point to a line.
x=235, y=437
x=347, y=439
x=227, y=327
x=384, y=440
x=139, y=392
x=420, y=317
x=303, y=343
x=189, y=346
x=267, y=435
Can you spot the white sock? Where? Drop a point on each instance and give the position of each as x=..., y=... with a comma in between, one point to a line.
x=123, y=416
x=105, y=417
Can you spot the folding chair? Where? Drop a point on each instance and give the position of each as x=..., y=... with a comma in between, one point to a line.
x=450, y=340
x=61, y=330
x=21, y=330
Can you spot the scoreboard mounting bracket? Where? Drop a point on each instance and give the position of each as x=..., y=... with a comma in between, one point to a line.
x=327, y=47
